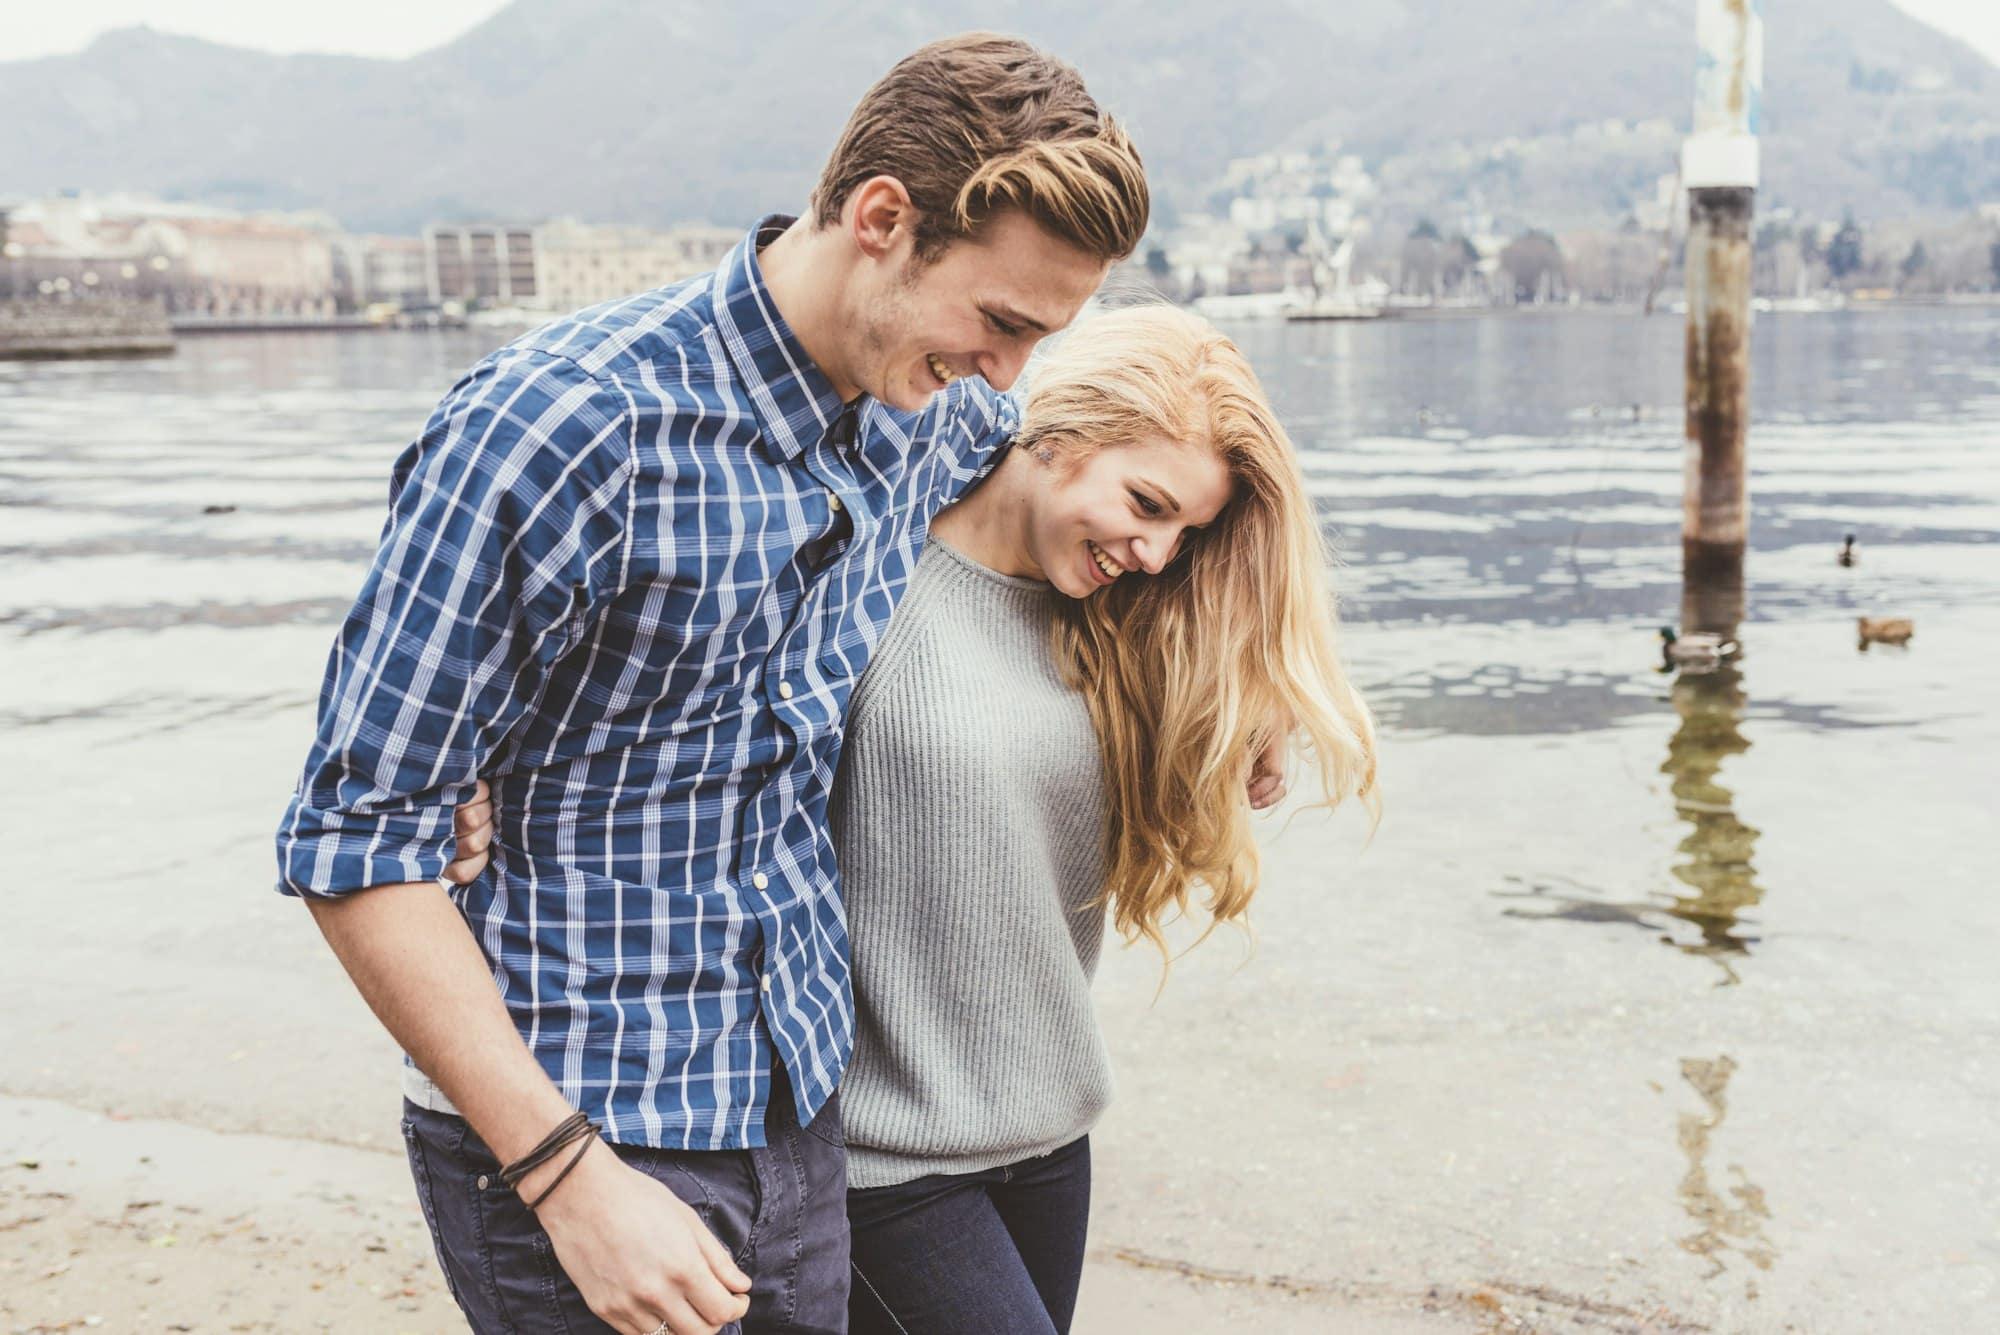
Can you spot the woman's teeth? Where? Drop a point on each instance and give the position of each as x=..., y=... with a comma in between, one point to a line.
x=943, y=372
x=1111, y=568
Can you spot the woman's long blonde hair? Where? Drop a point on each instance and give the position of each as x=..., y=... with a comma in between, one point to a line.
x=1189, y=672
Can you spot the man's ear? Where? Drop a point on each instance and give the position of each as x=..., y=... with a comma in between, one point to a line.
x=880, y=217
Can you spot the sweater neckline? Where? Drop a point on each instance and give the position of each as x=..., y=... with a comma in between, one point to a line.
x=985, y=572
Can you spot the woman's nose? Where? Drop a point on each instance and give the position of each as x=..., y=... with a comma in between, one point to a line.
x=1151, y=555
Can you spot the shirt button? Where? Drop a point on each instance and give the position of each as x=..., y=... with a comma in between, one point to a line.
x=833, y=502
x=761, y=881
x=785, y=689
x=767, y=982
x=482, y=1181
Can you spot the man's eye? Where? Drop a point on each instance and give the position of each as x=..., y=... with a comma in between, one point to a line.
x=1001, y=327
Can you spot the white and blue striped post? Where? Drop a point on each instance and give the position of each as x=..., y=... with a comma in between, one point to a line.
x=1719, y=166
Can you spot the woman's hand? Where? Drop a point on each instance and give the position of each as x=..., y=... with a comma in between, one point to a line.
x=473, y=824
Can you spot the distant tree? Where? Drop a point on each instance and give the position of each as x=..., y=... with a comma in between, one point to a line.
x=1425, y=230
x=1608, y=266
x=1157, y=263
x=1914, y=262
x=1423, y=263
x=1534, y=266
x=1993, y=259
x=1844, y=256
x=1459, y=265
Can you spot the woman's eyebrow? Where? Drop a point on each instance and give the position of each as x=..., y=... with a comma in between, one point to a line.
x=1176, y=505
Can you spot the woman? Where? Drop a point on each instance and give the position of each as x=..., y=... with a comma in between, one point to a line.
x=1149, y=526
x=1058, y=725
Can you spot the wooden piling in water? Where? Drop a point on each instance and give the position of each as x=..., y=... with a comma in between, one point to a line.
x=1720, y=166
x=1715, y=495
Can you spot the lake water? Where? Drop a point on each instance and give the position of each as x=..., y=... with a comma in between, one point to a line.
x=1656, y=1003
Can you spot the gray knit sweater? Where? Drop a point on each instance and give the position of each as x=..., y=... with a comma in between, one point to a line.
x=969, y=820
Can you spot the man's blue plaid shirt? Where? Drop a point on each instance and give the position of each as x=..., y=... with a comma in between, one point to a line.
x=631, y=572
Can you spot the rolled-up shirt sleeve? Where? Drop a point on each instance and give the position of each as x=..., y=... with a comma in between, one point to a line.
x=507, y=527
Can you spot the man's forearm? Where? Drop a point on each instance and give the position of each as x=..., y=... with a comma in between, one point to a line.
x=415, y=962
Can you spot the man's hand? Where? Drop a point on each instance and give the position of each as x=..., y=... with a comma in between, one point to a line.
x=473, y=824
x=1266, y=787
x=635, y=1251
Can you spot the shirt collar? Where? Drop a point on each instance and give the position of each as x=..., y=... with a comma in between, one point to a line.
x=795, y=403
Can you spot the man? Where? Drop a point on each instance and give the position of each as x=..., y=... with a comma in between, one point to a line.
x=634, y=565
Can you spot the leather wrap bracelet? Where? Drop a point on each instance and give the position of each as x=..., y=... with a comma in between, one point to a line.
x=576, y=1127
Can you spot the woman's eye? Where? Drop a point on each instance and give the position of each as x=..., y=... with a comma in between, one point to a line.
x=1146, y=503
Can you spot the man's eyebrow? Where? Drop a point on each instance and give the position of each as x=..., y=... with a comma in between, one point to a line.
x=1008, y=315
x=1176, y=505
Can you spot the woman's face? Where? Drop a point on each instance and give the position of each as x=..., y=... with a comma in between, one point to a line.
x=1120, y=511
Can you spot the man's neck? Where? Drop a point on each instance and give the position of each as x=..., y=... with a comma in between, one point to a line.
x=802, y=270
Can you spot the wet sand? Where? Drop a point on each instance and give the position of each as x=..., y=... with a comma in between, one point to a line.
x=125, y=1224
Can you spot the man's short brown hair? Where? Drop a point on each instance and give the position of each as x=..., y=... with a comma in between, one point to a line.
x=978, y=123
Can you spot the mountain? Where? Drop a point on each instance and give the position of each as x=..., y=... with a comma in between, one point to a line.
x=657, y=110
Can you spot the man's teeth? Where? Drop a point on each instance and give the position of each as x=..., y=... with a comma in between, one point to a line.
x=1104, y=563
x=940, y=370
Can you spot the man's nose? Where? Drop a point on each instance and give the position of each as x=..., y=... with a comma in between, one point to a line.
x=1001, y=367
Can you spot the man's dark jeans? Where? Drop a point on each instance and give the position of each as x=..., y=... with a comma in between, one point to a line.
x=779, y=1209
x=993, y=1253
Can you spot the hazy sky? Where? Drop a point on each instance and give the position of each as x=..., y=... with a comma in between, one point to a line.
x=404, y=27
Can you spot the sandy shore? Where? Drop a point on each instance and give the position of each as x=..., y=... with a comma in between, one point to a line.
x=122, y=1224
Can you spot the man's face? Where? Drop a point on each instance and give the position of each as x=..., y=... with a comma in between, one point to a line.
x=977, y=309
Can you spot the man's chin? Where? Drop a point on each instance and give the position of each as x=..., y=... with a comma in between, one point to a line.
x=910, y=398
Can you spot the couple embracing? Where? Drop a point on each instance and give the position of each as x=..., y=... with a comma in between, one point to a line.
x=772, y=1009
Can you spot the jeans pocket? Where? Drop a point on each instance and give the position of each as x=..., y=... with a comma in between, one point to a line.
x=530, y=1291
x=826, y=1126
x=420, y=1174
x=720, y=1186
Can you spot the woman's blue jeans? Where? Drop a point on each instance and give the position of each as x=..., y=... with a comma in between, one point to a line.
x=992, y=1253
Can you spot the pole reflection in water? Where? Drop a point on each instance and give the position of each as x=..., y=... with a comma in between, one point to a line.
x=1715, y=861
x=1716, y=854
x=1731, y=1222
x=1717, y=869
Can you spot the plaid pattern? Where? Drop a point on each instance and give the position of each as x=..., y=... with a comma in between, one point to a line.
x=631, y=572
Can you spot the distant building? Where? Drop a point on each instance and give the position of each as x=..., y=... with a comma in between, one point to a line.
x=581, y=265
x=372, y=270
x=263, y=260
x=1658, y=213
x=481, y=264
x=194, y=258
